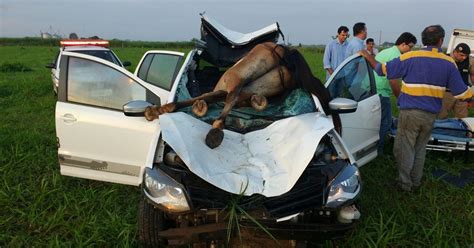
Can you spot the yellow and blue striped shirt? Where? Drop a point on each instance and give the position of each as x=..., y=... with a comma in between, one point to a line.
x=426, y=75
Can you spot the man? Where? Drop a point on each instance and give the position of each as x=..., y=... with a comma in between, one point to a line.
x=335, y=51
x=426, y=74
x=464, y=63
x=404, y=44
x=357, y=42
x=370, y=47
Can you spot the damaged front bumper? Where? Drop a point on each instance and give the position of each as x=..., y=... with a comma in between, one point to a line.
x=311, y=226
x=319, y=206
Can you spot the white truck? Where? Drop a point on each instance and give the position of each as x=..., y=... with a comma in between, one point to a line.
x=461, y=36
x=303, y=188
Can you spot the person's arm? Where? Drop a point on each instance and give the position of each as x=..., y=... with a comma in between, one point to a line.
x=471, y=69
x=395, y=85
x=457, y=86
x=371, y=59
x=327, y=59
x=394, y=69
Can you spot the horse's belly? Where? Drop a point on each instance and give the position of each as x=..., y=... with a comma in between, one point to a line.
x=271, y=83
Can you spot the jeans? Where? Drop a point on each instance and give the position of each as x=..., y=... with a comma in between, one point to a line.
x=385, y=122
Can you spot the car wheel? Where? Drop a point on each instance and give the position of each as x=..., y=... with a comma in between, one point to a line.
x=151, y=220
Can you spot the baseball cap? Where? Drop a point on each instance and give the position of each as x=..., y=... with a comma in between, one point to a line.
x=463, y=48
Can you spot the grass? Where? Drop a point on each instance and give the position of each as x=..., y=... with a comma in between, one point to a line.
x=39, y=207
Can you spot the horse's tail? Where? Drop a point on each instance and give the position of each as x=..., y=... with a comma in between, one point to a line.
x=301, y=73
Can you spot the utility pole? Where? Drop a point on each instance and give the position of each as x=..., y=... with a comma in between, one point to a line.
x=380, y=37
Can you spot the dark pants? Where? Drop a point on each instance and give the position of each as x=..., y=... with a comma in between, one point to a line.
x=386, y=121
x=413, y=133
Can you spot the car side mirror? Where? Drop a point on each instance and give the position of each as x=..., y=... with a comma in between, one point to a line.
x=50, y=66
x=343, y=105
x=126, y=63
x=136, y=108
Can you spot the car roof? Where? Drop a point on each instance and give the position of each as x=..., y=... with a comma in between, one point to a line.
x=85, y=48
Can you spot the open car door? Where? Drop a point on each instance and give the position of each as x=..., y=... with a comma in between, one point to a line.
x=160, y=69
x=95, y=139
x=354, y=79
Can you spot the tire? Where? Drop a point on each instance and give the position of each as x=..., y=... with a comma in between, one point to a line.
x=151, y=220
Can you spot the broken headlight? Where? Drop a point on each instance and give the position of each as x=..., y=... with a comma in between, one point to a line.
x=346, y=186
x=164, y=190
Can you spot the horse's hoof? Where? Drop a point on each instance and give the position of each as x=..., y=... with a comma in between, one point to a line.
x=258, y=102
x=150, y=114
x=200, y=108
x=214, y=138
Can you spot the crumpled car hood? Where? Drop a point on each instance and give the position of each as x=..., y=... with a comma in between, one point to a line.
x=267, y=161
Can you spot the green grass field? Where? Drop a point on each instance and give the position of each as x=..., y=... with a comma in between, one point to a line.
x=39, y=207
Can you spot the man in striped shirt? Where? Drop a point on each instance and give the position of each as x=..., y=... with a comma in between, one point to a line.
x=426, y=74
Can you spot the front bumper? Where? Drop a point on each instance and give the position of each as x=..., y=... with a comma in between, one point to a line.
x=307, y=228
x=299, y=214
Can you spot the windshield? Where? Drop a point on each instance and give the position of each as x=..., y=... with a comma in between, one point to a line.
x=107, y=55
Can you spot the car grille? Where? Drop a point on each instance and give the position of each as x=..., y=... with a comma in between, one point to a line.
x=308, y=192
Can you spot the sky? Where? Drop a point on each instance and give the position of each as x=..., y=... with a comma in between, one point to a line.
x=302, y=21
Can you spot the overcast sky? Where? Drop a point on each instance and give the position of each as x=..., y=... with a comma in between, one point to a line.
x=307, y=22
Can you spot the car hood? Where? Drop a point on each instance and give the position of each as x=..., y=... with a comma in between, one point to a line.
x=267, y=161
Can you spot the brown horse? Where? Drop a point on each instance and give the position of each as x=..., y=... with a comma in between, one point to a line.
x=267, y=70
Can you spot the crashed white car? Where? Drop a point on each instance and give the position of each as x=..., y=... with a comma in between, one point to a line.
x=286, y=166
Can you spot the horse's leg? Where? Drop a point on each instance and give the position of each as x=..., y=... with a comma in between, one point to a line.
x=154, y=112
x=215, y=136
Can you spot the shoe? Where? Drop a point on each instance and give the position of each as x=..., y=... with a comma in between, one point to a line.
x=399, y=187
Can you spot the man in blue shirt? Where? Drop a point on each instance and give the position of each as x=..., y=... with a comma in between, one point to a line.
x=335, y=51
x=426, y=74
x=357, y=42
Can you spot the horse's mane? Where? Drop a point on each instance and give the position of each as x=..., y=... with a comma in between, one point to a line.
x=304, y=78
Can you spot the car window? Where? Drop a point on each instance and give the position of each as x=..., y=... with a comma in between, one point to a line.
x=143, y=71
x=92, y=83
x=161, y=71
x=107, y=55
x=353, y=81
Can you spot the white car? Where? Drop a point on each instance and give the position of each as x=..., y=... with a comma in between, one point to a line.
x=97, y=48
x=187, y=186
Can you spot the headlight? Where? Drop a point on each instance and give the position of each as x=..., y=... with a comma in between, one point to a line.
x=164, y=190
x=346, y=186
